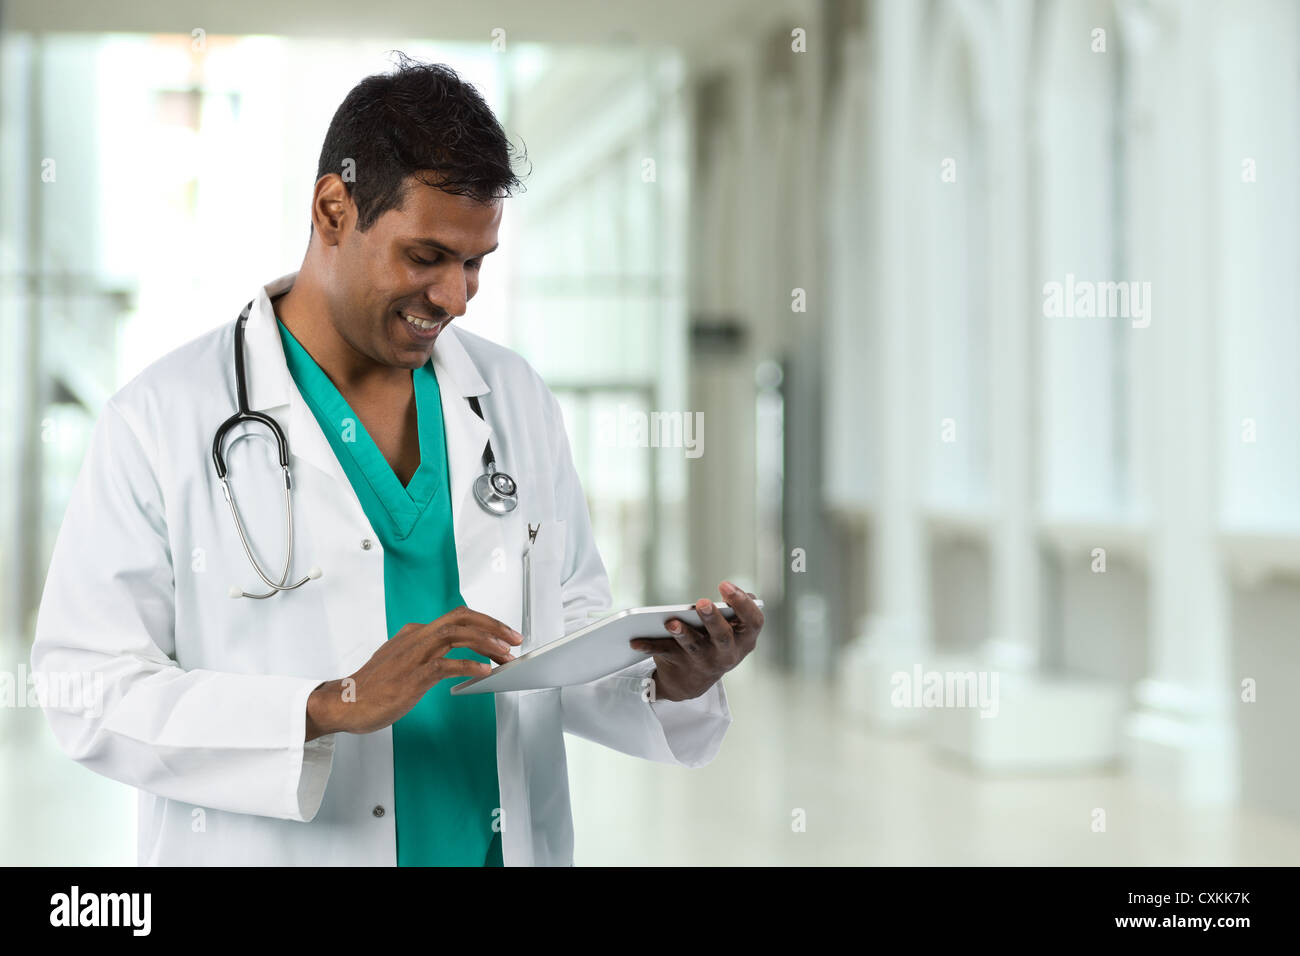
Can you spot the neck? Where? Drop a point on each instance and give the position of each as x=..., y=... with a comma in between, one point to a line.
x=305, y=312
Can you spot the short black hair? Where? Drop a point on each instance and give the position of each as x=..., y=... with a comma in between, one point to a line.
x=421, y=116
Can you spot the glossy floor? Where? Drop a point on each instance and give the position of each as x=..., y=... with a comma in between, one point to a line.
x=866, y=799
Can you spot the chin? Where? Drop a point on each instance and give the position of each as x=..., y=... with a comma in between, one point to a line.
x=413, y=358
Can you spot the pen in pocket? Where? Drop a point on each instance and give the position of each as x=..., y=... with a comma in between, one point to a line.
x=528, y=583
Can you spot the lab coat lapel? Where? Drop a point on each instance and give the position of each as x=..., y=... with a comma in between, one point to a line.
x=271, y=388
x=489, y=582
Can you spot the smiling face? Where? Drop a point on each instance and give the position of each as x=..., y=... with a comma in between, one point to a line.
x=421, y=261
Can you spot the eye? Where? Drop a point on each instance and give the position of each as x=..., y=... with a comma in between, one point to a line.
x=423, y=262
x=475, y=263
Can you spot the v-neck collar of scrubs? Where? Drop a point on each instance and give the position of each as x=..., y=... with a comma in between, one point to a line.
x=403, y=504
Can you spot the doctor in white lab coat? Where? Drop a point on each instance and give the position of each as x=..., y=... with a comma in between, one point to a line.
x=205, y=699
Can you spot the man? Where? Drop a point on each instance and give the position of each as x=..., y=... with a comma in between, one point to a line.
x=315, y=725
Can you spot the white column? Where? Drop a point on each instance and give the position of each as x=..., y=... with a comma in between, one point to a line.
x=1182, y=735
x=895, y=635
x=1014, y=610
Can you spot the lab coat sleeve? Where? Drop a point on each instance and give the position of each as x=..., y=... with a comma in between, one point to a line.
x=218, y=740
x=617, y=711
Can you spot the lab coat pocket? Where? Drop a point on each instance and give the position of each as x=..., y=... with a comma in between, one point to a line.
x=545, y=620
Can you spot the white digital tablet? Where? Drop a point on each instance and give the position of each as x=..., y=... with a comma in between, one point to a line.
x=590, y=653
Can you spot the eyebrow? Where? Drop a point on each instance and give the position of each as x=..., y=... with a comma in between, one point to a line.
x=435, y=244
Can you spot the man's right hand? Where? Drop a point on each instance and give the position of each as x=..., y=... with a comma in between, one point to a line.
x=398, y=674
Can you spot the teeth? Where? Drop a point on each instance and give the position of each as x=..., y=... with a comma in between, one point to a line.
x=421, y=323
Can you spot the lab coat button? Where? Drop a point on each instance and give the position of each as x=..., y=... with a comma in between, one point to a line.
x=378, y=811
x=365, y=544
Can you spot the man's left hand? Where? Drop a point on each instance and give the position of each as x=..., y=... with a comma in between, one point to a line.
x=694, y=659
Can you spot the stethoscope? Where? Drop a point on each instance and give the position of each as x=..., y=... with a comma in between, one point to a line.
x=495, y=491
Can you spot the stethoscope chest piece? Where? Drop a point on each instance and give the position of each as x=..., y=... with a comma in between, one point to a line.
x=496, y=491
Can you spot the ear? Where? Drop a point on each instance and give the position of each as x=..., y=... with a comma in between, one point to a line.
x=332, y=209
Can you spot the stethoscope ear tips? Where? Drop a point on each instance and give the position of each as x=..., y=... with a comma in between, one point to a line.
x=314, y=573
x=235, y=591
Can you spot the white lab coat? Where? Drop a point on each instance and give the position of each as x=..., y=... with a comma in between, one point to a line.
x=204, y=697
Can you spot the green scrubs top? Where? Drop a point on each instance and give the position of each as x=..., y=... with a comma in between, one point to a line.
x=444, y=749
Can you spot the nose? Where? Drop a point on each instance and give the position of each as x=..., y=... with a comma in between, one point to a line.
x=449, y=294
